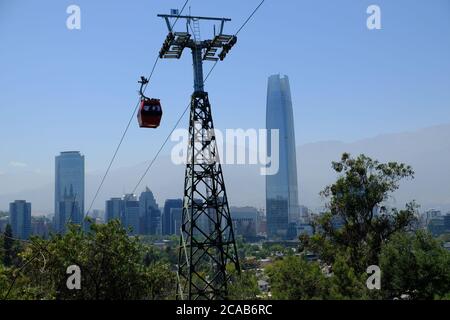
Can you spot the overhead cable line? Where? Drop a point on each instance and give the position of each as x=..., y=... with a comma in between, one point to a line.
x=128, y=124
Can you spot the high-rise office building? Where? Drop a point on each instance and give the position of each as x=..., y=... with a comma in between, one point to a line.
x=281, y=188
x=261, y=223
x=149, y=213
x=4, y=221
x=40, y=226
x=114, y=209
x=69, y=175
x=168, y=225
x=244, y=221
x=432, y=214
x=137, y=216
x=69, y=212
x=131, y=214
x=447, y=222
x=20, y=219
x=177, y=216
x=98, y=215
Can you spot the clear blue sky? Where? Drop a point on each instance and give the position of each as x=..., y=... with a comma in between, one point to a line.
x=74, y=90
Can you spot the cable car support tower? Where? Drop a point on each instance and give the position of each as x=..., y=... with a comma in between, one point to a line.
x=207, y=243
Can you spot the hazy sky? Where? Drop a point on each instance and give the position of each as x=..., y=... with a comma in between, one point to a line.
x=75, y=90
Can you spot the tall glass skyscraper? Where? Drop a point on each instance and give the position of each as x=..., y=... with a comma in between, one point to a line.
x=149, y=213
x=130, y=220
x=69, y=179
x=281, y=188
x=168, y=225
x=69, y=212
x=20, y=218
x=114, y=209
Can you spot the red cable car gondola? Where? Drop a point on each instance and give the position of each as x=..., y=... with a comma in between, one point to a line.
x=150, y=111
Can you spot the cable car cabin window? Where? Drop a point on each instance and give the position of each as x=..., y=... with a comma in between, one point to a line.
x=150, y=113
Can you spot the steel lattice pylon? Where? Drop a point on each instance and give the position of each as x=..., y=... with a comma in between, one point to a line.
x=207, y=243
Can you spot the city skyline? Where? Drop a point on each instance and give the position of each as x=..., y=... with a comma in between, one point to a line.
x=315, y=159
x=249, y=222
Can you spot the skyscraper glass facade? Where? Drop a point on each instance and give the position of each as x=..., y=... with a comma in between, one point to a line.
x=149, y=213
x=168, y=224
x=114, y=209
x=69, y=177
x=20, y=219
x=130, y=219
x=281, y=188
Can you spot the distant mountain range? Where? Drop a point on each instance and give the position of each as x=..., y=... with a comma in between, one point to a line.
x=426, y=150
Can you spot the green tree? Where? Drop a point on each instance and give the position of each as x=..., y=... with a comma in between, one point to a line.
x=8, y=246
x=345, y=282
x=416, y=265
x=294, y=278
x=154, y=254
x=244, y=286
x=111, y=266
x=412, y=263
x=356, y=200
x=15, y=286
x=160, y=282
